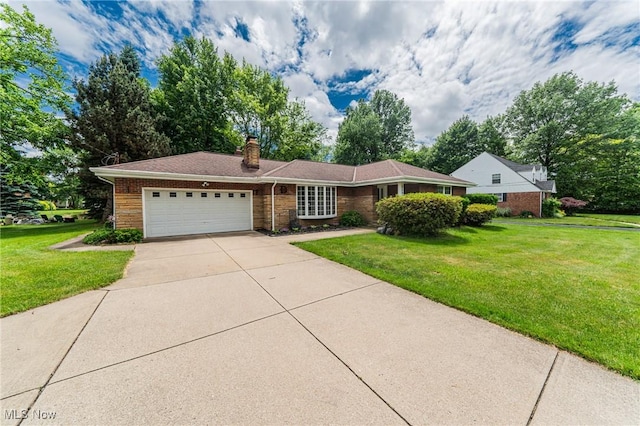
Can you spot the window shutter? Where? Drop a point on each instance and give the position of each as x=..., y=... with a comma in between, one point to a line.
x=504, y=196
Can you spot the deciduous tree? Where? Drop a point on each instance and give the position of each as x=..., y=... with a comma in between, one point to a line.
x=375, y=130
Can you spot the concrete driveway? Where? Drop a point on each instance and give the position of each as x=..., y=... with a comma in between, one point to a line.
x=247, y=329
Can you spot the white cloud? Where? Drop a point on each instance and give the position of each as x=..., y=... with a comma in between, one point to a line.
x=445, y=59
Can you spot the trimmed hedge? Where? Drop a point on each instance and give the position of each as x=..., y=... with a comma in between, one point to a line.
x=482, y=199
x=110, y=236
x=419, y=213
x=352, y=218
x=479, y=214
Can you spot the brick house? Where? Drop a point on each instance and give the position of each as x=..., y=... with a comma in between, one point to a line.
x=520, y=187
x=203, y=192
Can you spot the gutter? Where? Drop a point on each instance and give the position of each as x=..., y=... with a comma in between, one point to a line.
x=267, y=179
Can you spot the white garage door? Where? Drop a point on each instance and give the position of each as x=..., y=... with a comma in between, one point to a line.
x=183, y=212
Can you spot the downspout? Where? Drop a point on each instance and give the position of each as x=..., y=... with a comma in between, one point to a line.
x=273, y=205
x=540, y=204
x=113, y=198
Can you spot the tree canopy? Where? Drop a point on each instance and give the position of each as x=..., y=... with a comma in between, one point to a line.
x=212, y=103
x=375, y=130
x=574, y=128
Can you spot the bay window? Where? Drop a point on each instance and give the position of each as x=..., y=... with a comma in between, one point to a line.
x=316, y=202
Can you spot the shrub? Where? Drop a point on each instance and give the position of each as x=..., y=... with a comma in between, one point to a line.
x=482, y=199
x=352, y=218
x=110, y=236
x=526, y=214
x=47, y=205
x=478, y=214
x=570, y=205
x=550, y=207
x=503, y=212
x=419, y=213
x=130, y=235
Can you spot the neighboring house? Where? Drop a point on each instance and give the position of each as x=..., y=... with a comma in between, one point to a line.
x=520, y=187
x=204, y=192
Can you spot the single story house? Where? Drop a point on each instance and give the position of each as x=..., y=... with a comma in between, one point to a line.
x=519, y=187
x=204, y=192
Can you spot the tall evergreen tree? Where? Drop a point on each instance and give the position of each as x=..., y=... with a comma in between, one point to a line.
x=113, y=123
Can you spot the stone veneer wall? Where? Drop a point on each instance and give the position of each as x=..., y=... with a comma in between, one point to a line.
x=522, y=201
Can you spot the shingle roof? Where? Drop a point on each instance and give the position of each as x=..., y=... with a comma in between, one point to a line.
x=231, y=166
x=310, y=170
x=200, y=163
x=546, y=185
x=516, y=167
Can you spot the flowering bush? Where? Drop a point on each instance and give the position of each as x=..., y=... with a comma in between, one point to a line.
x=570, y=205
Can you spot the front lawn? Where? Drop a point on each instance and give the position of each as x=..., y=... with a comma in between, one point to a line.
x=623, y=218
x=579, y=220
x=32, y=275
x=575, y=288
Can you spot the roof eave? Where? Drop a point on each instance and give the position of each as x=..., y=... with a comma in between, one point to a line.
x=110, y=174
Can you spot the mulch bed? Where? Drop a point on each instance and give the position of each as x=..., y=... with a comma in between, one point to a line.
x=303, y=230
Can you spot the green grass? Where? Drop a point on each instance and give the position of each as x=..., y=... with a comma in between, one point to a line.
x=575, y=288
x=624, y=218
x=32, y=275
x=580, y=220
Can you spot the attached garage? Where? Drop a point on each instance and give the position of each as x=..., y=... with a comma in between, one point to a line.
x=170, y=212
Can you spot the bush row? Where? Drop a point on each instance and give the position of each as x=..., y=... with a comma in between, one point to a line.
x=111, y=236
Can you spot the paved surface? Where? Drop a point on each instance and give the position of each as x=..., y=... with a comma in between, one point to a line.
x=247, y=329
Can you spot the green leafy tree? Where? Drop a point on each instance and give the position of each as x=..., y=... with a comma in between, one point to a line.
x=257, y=106
x=359, y=138
x=455, y=146
x=490, y=137
x=193, y=91
x=32, y=84
x=395, y=119
x=416, y=157
x=550, y=123
x=113, y=123
x=302, y=138
x=375, y=130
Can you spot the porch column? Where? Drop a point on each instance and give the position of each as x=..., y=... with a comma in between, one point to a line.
x=400, y=188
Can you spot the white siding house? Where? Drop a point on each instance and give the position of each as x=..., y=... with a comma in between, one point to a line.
x=520, y=187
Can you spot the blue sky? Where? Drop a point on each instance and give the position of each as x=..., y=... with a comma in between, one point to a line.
x=445, y=59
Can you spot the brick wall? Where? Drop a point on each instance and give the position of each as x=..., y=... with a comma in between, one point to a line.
x=522, y=201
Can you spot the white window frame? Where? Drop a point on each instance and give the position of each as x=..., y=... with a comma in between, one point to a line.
x=500, y=196
x=330, y=195
x=445, y=189
x=496, y=177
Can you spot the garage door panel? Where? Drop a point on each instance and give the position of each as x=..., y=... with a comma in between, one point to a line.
x=182, y=215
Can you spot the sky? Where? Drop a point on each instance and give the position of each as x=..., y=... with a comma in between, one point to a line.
x=445, y=59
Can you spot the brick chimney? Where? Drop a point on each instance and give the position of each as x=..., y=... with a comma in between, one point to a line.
x=252, y=153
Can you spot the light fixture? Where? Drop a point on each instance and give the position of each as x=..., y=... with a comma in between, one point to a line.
x=205, y=184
